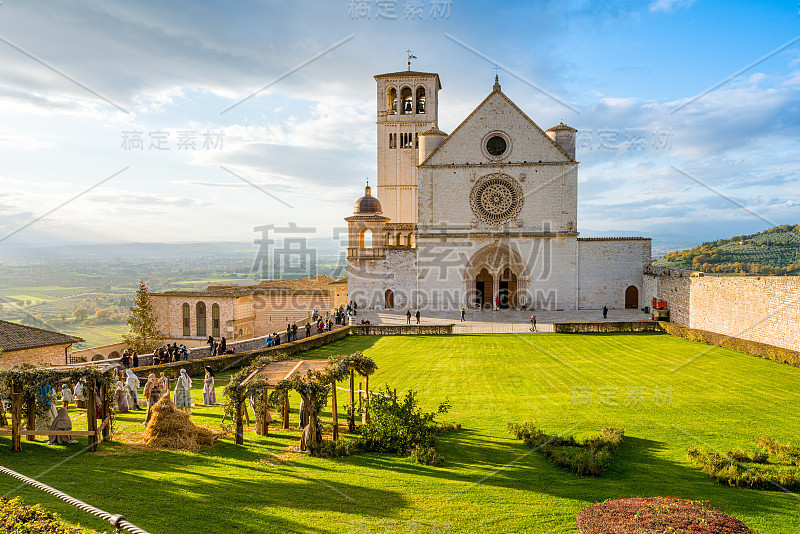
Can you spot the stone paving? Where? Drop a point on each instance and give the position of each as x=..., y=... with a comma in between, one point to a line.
x=501, y=321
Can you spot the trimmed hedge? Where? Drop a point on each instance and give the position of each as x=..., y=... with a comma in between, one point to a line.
x=584, y=458
x=732, y=469
x=606, y=326
x=754, y=348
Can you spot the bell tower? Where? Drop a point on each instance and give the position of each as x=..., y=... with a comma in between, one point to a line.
x=407, y=105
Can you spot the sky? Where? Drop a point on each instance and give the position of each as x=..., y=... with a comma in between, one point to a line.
x=201, y=121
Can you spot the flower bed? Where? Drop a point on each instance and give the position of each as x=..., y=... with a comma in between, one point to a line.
x=18, y=518
x=656, y=515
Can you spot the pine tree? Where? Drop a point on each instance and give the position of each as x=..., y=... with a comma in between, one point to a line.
x=143, y=336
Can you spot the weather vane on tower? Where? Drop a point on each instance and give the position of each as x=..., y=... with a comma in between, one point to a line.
x=410, y=57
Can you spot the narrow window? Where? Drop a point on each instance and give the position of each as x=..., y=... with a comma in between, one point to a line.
x=215, y=320
x=420, y=100
x=187, y=330
x=200, y=313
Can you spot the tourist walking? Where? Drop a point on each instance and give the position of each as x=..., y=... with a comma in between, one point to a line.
x=408, y=316
x=209, y=395
x=417, y=315
x=183, y=392
x=533, y=323
x=605, y=312
x=463, y=315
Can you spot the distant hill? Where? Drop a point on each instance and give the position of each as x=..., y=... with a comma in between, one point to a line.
x=772, y=252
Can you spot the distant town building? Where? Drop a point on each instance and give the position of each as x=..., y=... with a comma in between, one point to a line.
x=25, y=344
x=241, y=312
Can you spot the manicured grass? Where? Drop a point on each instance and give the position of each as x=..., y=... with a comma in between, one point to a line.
x=490, y=482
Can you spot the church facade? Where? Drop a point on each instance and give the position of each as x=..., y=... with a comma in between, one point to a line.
x=483, y=217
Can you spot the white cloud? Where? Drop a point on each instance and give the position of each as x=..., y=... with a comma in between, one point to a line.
x=670, y=5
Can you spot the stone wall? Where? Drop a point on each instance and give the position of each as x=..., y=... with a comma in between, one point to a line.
x=368, y=280
x=52, y=355
x=607, y=267
x=404, y=330
x=763, y=309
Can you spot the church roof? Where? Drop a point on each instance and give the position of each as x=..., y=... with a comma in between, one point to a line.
x=496, y=90
x=298, y=286
x=367, y=204
x=433, y=130
x=561, y=126
x=409, y=74
x=15, y=336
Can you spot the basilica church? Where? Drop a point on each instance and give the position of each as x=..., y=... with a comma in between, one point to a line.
x=482, y=217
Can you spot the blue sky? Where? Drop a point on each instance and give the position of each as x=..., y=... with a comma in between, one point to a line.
x=618, y=72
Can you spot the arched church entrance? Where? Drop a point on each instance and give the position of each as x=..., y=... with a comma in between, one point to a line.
x=484, y=283
x=507, y=293
x=388, y=299
x=631, y=298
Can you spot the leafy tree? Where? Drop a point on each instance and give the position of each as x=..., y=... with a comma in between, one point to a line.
x=81, y=314
x=144, y=335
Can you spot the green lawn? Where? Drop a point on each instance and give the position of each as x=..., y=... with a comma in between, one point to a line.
x=564, y=383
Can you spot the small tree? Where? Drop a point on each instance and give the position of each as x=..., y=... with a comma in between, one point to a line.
x=144, y=335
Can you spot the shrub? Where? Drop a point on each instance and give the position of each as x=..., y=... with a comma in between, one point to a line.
x=18, y=518
x=587, y=458
x=334, y=449
x=731, y=469
x=399, y=426
x=427, y=456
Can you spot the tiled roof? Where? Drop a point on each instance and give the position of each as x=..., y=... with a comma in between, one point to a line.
x=15, y=336
x=339, y=281
x=298, y=285
x=561, y=126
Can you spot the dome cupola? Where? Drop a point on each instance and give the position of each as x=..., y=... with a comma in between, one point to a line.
x=367, y=205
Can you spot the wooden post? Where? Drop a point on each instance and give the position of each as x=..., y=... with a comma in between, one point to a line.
x=31, y=417
x=105, y=412
x=335, y=412
x=351, y=410
x=395, y=394
x=361, y=403
x=246, y=413
x=16, y=417
x=239, y=429
x=286, y=410
x=266, y=411
x=366, y=399
x=91, y=416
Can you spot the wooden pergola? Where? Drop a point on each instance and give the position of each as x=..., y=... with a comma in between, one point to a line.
x=272, y=374
x=93, y=432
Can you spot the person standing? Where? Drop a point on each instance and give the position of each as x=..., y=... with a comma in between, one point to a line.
x=308, y=329
x=496, y=303
x=209, y=395
x=533, y=323
x=135, y=359
x=152, y=393
x=183, y=392
x=605, y=312
x=463, y=315
x=417, y=315
x=408, y=316
x=132, y=385
x=223, y=346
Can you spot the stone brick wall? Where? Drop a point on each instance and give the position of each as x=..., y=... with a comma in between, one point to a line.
x=761, y=309
x=368, y=280
x=608, y=267
x=609, y=326
x=764, y=309
x=52, y=355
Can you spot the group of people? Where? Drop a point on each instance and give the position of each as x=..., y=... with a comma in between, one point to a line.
x=170, y=353
x=130, y=359
x=218, y=348
x=408, y=316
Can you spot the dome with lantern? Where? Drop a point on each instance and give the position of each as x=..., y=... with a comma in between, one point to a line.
x=367, y=205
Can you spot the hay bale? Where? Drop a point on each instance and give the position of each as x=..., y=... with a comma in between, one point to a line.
x=170, y=428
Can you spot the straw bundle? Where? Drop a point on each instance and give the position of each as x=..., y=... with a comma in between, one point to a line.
x=170, y=428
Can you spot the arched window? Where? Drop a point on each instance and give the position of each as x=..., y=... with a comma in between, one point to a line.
x=388, y=240
x=420, y=100
x=407, y=99
x=365, y=239
x=391, y=101
x=399, y=239
x=215, y=320
x=410, y=237
x=200, y=314
x=187, y=329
